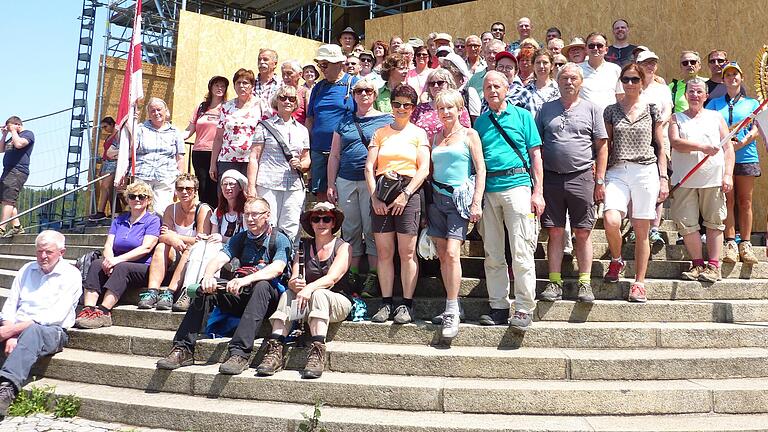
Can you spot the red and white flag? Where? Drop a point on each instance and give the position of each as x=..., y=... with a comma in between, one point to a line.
x=129, y=99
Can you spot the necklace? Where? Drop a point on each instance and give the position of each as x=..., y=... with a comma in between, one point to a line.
x=455, y=129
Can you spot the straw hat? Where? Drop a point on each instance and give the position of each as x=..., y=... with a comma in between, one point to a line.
x=321, y=207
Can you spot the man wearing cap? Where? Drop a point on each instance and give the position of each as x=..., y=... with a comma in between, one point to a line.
x=267, y=82
x=690, y=65
x=601, y=79
x=511, y=147
x=443, y=39
x=348, y=38
x=574, y=154
x=352, y=65
x=330, y=100
x=621, y=50
x=494, y=47
x=575, y=51
x=517, y=94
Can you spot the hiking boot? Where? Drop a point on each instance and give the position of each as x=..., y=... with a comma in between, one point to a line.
x=315, y=361
x=370, y=286
x=383, y=314
x=438, y=319
x=615, y=268
x=18, y=229
x=403, y=314
x=7, y=395
x=148, y=299
x=552, y=292
x=730, y=252
x=520, y=321
x=450, y=325
x=182, y=303
x=164, y=300
x=272, y=362
x=710, y=274
x=637, y=293
x=656, y=239
x=178, y=357
x=97, y=216
x=92, y=318
x=693, y=273
x=495, y=317
x=235, y=365
x=585, y=294
x=746, y=253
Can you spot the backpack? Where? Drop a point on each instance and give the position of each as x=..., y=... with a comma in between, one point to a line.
x=84, y=262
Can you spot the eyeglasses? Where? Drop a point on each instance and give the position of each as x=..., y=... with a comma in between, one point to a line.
x=229, y=184
x=324, y=219
x=630, y=79
x=284, y=98
x=422, y=55
x=188, y=189
x=559, y=65
x=689, y=62
x=474, y=45
x=360, y=91
x=718, y=61
x=406, y=105
x=243, y=83
x=504, y=69
x=438, y=83
x=254, y=214
x=595, y=46
x=140, y=197
x=323, y=65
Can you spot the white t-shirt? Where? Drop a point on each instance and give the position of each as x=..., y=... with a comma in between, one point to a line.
x=231, y=222
x=704, y=128
x=602, y=84
x=659, y=95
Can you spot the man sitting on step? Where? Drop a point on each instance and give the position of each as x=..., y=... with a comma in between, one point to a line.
x=253, y=247
x=40, y=306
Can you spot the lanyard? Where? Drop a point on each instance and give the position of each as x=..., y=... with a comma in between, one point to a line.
x=731, y=103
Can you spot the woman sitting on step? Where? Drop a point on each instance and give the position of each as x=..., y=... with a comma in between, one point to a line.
x=313, y=285
x=184, y=222
x=127, y=254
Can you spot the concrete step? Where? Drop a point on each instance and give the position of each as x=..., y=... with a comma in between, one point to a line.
x=28, y=250
x=465, y=395
x=544, y=334
x=200, y=413
x=92, y=239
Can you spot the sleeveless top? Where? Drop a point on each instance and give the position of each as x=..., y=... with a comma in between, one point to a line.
x=189, y=231
x=314, y=268
x=452, y=164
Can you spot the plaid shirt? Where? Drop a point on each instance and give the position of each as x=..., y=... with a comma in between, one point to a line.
x=265, y=91
x=156, y=152
x=517, y=95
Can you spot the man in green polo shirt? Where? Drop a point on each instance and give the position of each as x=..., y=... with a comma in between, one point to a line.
x=511, y=199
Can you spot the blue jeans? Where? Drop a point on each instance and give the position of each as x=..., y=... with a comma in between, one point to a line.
x=34, y=342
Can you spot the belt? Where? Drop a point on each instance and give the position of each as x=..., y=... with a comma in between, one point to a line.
x=443, y=186
x=506, y=172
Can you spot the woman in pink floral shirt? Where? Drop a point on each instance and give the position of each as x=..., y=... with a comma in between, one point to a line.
x=237, y=124
x=425, y=115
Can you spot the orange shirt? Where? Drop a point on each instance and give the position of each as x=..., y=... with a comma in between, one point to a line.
x=398, y=150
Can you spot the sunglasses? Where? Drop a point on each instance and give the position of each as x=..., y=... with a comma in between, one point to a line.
x=459, y=46
x=497, y=29
x=188, y=189
x=323, y=65
x=348, y=64
x=439, y=83
x=422, y=55
x=396, y=104
x=139, y=197
x=718, y=61
x=324, y=219
x=364, y=91
x=595, y=46
x=627, y=80
x=284, y=98
x=689, y=62
x=366, y=60
x=559, y=65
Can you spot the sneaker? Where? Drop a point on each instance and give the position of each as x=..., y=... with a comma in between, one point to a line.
x=7, y=396
x=272, y=362
x=585, y=294
x=746, y=253
x=730, y=252
x=315, y=361
x=693, y=273
x=235, y=365
x=710, y=274
x=438, y=319
x=182, y=303
x=631, y=237
x=656, y=239
x=164, y=300
x=18, y=229
x=178, y=357
x=383, y=314
x=148, y=299
x=552, y=292
x=450, y=325
x=615, y=268
x=520, y=321
x=92, y=318
x=370, y=286
x=403, y=314
x=97, y=217
x=637, y=293
x=495, y=317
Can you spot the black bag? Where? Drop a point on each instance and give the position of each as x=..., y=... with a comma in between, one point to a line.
x=84, y=262
x=388, y=186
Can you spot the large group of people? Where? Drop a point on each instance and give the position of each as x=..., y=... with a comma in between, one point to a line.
x=437, y=135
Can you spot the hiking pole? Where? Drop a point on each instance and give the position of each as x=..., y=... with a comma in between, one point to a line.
x=727, y=138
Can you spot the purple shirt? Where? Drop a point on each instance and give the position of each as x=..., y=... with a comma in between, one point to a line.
x=129, y=237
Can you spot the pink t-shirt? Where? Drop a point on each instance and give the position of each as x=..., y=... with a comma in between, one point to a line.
x=418, y=80
x=425, y=117
x=205, y=128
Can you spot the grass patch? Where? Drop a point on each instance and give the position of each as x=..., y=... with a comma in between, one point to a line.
x=43, y=400
x=311, y=422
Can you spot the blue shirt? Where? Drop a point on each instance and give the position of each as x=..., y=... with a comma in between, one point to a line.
x=741, y=109
x=353, y=151
x=19, y=158
x=156, y=152
x=251, y=251
x=328, y=104
x=129, y=237
x=499, y=156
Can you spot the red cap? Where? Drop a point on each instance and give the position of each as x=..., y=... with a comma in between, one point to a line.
x=506, y=54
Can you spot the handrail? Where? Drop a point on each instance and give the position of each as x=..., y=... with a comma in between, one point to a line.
x=29, y=210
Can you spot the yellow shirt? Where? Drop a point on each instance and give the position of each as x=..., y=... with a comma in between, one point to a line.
x=398, y=149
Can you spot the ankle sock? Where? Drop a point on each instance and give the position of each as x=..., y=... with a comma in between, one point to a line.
x=698, y=262
x=408, y=302
x=320, y=339
x=619, y=260
x=556, y=277
x=105, y=310
x=452, y=306
x=730, y=239
x=715, y=263
x=386, y=301
x=585, y=277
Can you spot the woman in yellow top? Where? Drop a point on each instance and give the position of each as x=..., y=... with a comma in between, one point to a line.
x=399, y=148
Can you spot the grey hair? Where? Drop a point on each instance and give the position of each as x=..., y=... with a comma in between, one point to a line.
x=294, y=64
x=50, y=236
x=696, y=80
x=695, y=53
x=570, y=65
x=496, y=42
x=366, y=82
x=157, y=101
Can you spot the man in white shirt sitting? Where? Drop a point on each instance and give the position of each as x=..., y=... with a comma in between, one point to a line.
x=40, y=306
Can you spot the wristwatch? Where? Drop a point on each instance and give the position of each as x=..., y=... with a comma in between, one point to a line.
x=599, y=181
x=407, y=194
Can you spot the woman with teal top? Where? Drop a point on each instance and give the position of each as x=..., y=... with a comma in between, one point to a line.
x=456, y=155
x=346, y=180
x=734, y=107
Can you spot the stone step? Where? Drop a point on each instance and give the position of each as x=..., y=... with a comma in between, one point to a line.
x=464, y=395
x=28, y=250
x=543, y=334
x=185, y=412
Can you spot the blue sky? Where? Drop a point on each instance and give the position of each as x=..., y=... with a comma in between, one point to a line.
x=39, y=78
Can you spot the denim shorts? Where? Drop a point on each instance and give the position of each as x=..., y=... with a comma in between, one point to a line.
x=108, y=166
x=444, y=220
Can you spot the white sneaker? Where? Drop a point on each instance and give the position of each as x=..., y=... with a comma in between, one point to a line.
x=450, y=325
